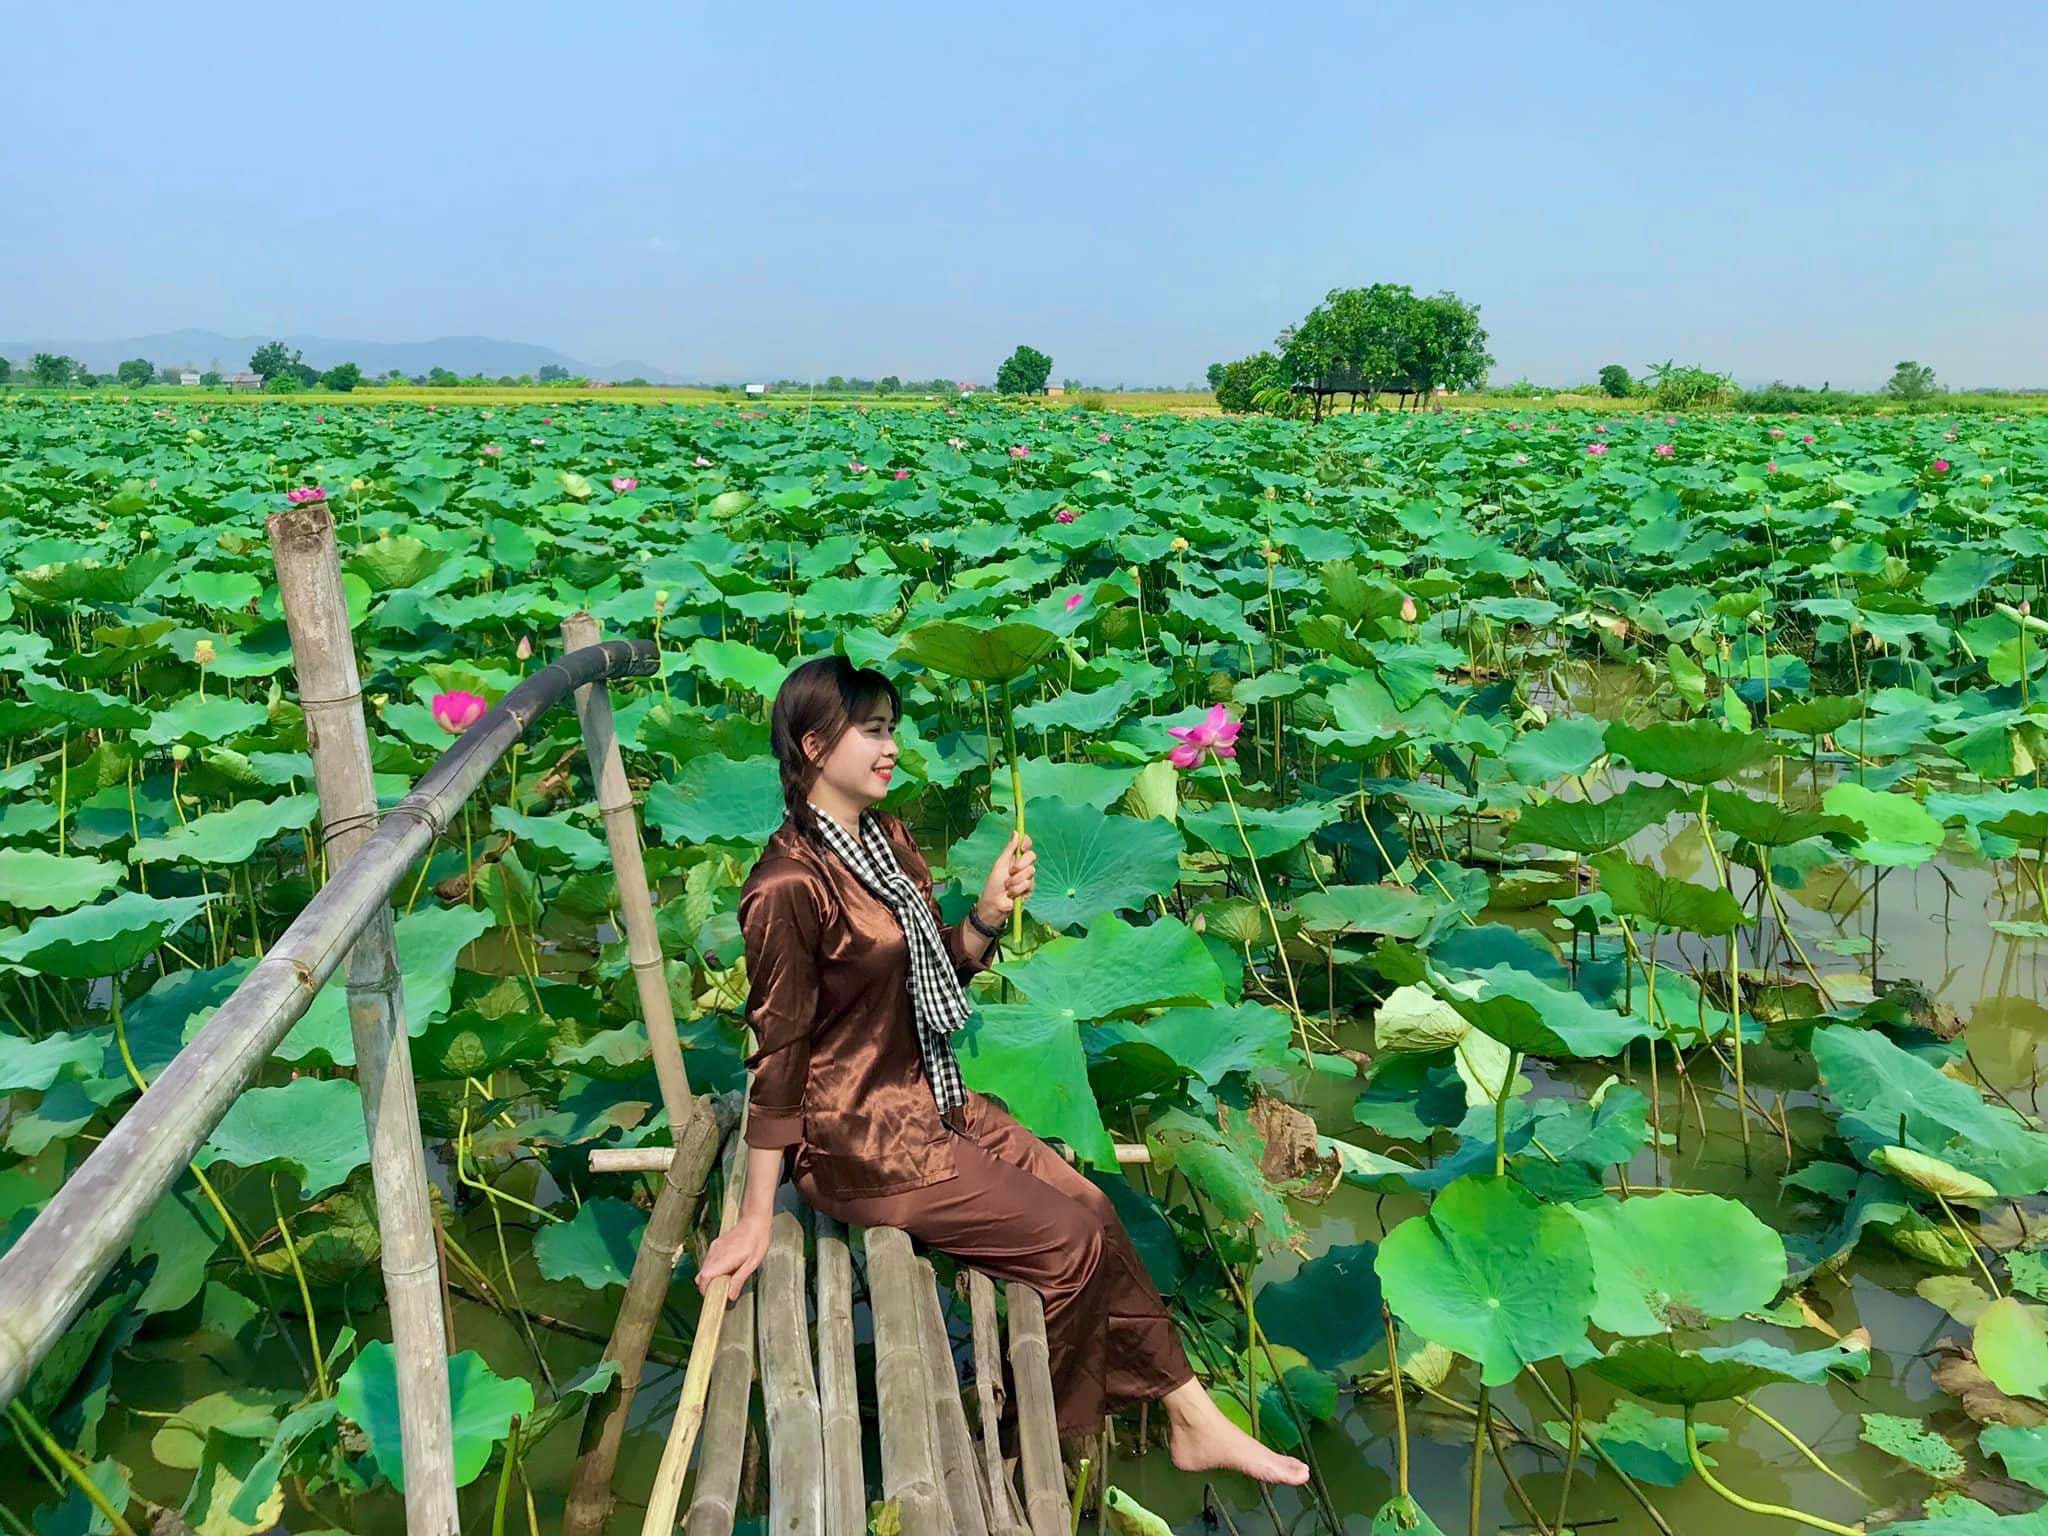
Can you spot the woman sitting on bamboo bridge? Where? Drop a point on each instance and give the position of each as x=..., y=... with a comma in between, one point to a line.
x=855, y=984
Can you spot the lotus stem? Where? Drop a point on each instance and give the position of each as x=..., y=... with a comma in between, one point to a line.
x=291, y=1253
x=1500, y=1115
x=1400, y=1399
x=1956, y=1222
x=71, y=1469
x=1571, y=1455
x=1080, y=1493
x=1479, y=1425
x=1634, y=1488
x=1802, y=1448
x=1266, y=905
x=1755, y=1507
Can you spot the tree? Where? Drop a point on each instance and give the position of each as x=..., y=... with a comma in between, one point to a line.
x=52, y=370
x=6, y=370
x=1237, y=384
x=1024, y=372
x=1446, y=345
x=1616, y=381
x=272, y=360
x=136, y=372
x=1218, y=372
x=1911, y=381
x=169, y=374
x=552, y=373
x=210, y=379
x=888, y=384
x=341, y=378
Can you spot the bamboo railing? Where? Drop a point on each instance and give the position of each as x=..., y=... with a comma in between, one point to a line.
x=46, y=1277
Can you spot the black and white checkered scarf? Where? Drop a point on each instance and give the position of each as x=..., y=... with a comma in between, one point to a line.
x=938, y=1003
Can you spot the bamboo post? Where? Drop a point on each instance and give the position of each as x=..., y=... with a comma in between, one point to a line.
x=74, y=1240
x=667, y=1492
x=692, y=1134
x=1038, y=1434
x=330, y=692
x=789, y=1391
x=838, y=1389
x=715, y=1500
x=988, y=1392
x=903, y=1386
x=952, y=1447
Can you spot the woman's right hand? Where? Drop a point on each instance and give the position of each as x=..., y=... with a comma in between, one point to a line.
x=736, y=1252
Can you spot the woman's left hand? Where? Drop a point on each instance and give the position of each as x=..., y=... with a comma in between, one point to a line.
x=1010, y=881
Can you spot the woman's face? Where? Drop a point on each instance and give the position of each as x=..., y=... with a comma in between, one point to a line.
x=861, y=766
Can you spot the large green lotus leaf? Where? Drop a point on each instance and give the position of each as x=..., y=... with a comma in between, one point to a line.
x=313, y=1125
x=1642, y=892
x=1088, y=863
x=1898, y=832
x=1526, y=1014
x=1962, y=575
x=2012, y=1348
x=465, y=1043
x=556, y=834
x=1695, y=752
x=1649, y=1447
x=1767, y=824
x=36, y=881
x=1030, y=1057
x=83, y=708
x=1494, y=1274
x=1116, y=968
x=595, y=1247
x=1390, y=910
x=247, y=1413
x=103, y=940
x=1267, y=831
x=1880, y=1089
x=1912, y=1444
x=481, y=1404
x=1096, y=784
x=390, y=562
x=88, y=581
x=182, y=1231
x=1225, y=1168
x=200, y=721
x=718, y=799
x=1951, y=1514
x=1329, y=1309
x=735, y=664
x=429, y=940
x=1816, y=717
x=1660, y=1371
x=1093, y=712
x=1402, y=1516
x=220, y=589
x=1647, y=1261
x=1207, y=1043
x=231, y=836
x=1558, y=750
x=35, y=1064
x=2024, y=1452
x=990, y=654
x=1587, y=826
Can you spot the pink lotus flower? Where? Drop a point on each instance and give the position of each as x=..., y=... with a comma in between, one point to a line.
x=1407, y=609
x=1663, y=450
x=1670, y=421
x=901, y=474
x=856, y=467
x=1102, y=437
x=624, y=483
x=1217, y=733
x=1806, y=437
x=1521, y=458
x=1514, y=426
x=1601, y=428
x=956, y=443
x=1941, y=466
x=1019, y=451
x=1076, y=600
x=457, y=711
x=702, y=462
x=1771, y=468
x=304, y=494
x=319, y=418
x=1777, y=432
x=546, y=421
x=2026, y=608
x=1064, y=515
x=1948, y=437
x=492, y=450
x=524, y=651
x=1597, y=450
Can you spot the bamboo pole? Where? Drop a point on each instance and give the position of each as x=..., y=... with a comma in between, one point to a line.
x=952, y=1447
x=654, y=1159
x=330, y=692
x=1038, y=1435
x=903, y=1386
x=692, y=1132
x=988, y=1391
x=789, y=1390
x=667, y=1492
x=838, y=1387
x=589, y=1504
x=54, y=1265
x=715, y=1500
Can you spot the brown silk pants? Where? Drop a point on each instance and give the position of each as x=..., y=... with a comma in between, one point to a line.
x=1017, y=1210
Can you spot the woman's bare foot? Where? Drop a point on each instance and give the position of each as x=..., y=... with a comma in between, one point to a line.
x=1202, y=1438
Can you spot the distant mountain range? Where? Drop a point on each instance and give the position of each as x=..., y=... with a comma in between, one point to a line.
x=230, y=354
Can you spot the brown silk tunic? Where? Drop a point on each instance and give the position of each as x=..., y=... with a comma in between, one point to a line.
x=838, y=1080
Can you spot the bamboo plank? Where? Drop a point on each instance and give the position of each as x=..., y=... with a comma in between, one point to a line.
x=715, y=1500
x=952, y=1447
x=903, y=1385
x=789, y=1391
x=1005, y=1515
x=1038, y=1435
x=838, y=1388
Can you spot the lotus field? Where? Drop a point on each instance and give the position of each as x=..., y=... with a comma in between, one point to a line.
x=1560, y=897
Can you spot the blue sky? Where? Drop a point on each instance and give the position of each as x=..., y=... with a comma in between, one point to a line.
x=1807, y=191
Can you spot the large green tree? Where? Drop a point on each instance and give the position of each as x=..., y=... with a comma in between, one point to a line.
x=341, y=378
x=1911, y=381
x=274, y=359
x=136, y=372
x=6, y=370
x=52, y=370
x=1616, y=381
x=1024, y=372
x=1446, y=345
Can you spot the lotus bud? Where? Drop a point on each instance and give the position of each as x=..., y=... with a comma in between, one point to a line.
x=1200, y=922
x=1407, y=609
x=2026, y=608
x=203, y=653
x=1179, y=545
x=661, y=601
x=525, y=648
x=181, y=753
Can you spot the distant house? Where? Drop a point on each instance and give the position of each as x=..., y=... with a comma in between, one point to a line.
x=1054, y=391
x=244, y=380
x=189, y=378
x=757, y=389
